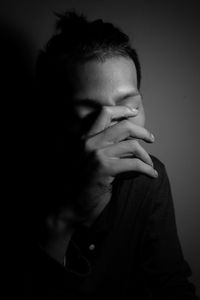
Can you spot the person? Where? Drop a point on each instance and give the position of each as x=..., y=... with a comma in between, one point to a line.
x=102, y=222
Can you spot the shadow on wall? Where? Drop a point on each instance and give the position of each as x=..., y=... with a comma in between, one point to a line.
x=19, y=119
x=17, y=75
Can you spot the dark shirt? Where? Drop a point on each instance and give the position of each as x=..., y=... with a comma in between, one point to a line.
x=132, y=251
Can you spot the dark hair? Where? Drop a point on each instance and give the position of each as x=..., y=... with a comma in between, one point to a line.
x=78, y=40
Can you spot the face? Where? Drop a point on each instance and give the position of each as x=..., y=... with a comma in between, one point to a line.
x=109, y=83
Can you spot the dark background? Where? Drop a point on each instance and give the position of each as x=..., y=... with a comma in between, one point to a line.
x=167, y=37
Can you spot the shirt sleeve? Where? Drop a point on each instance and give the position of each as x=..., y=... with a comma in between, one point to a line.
x=163, y=265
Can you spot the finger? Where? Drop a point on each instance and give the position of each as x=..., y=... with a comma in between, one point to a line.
x=128, y=149
x=111, y=114
x=126, y=130
x=125, y=165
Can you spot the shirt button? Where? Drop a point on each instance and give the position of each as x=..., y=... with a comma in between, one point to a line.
x=91, y=247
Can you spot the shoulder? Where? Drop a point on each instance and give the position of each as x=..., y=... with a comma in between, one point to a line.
x=138, y=196
x=140, y=188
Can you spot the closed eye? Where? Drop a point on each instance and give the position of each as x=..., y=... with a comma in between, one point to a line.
x=133, y=101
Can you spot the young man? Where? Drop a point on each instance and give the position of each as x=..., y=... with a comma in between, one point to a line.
x=105, y=225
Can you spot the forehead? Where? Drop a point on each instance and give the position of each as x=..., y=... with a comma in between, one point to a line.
x=97, y=79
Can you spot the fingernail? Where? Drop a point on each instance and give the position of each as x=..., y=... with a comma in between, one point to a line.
x=134, y=110
x=155, y=173
x=152, y=137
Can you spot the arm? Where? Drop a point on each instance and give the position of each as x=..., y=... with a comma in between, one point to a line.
x=109, y=148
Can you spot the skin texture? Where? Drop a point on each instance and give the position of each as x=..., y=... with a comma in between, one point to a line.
x=109, y=83
x=112, y=85
x=109, y=87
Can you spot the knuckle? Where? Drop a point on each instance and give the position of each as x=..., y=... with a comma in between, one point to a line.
x=99, y=156
x=135, y=144
x=106, y=110
x=138, y=165
x=102, y=160
x=89, y=145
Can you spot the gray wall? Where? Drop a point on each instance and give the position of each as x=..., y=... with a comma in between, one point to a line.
x=167, y=37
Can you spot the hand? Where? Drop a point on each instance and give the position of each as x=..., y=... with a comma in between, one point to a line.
x=112, y=147
x=113, y=141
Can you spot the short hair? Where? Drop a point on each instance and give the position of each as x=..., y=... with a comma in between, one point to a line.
x=78, y=40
